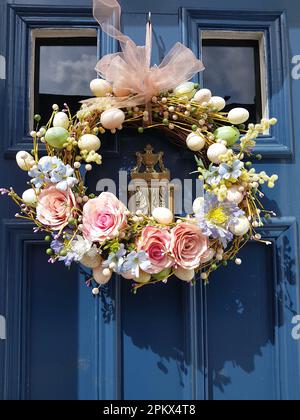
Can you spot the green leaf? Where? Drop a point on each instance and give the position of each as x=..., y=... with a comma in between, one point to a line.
x=199, y=162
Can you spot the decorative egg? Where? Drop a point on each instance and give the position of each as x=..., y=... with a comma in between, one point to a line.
x=238, y=116
x=203, y=95
x=163, y=275
x=184, y=274
x=186, y=89
x=241, y=227
x=195, y=142
x=143, y=277
x=61, y=120
x=56, y=137
x=163, y=216
x=112, y=118
x=29, y=197
x=217, y=103
x=215, y=151
x=91, y=260
x=229, y=134
x=208, y=256
x=234, y=195
x=128, y=275
x=120, y=91
x=99, y=277
x=25, y=161
x=198, y=205
x=100, y=87
x=89, y=142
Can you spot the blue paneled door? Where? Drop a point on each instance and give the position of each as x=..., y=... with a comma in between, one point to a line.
x=229, y=340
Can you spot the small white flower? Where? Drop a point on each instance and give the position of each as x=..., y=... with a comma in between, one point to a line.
x=81, y=247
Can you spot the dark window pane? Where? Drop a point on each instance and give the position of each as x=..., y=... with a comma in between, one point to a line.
x=233, y=72
x=64, y=68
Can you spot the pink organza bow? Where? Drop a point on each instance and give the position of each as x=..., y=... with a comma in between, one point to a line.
x=130, y=71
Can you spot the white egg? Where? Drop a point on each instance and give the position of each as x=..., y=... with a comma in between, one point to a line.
x=112, y=118
x=238, y=116
x=184, y=274
x=25, y=161
x=195, y=142
x=99, y=276
x=241, y=227
x=89, y=142
x=208, y=256
x=198, y=205
x=143, y=277
x=61, y=120
x=217, y=103
x=215, y=151
x=203, y=95
x=91, y=260
x=100, y=87
x=234, y=195
x=185, y=89
x=163, y=215
x=29, y=197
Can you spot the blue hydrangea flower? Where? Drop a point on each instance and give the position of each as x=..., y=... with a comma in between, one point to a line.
x=212, y=176
x=48, y=163
x=53, y=170
x=38, y=177
x=57, y=246
x=63, y=176
x=68, y=259
x=117, y=259
x=231, y=171
x=136, y=261
x=215, y=218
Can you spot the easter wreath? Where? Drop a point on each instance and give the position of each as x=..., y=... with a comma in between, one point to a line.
x=99, y=232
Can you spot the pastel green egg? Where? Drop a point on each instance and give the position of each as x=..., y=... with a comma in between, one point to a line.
x=229, y=134
x=162, y=275
x=56, y=137
x=185, y=89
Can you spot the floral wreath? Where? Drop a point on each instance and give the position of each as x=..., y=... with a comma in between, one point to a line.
x=100, y=232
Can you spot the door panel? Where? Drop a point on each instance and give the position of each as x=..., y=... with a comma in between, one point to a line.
x=241, y=329
x=228, y=340
x=53, y=332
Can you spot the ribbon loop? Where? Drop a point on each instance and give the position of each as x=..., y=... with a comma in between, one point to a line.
x=130, y=71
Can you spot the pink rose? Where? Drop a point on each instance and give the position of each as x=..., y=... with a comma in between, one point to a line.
x=156, y=242
x=55, y=207
x=103, y=218
x=188, y=244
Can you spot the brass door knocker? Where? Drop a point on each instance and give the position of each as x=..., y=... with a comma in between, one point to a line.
x=150, y=185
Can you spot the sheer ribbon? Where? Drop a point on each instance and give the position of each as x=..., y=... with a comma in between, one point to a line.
x=134, y=80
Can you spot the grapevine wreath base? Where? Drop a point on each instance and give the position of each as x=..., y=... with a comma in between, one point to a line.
x=99, y=232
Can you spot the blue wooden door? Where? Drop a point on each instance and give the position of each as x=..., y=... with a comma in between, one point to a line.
x=232, y=339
